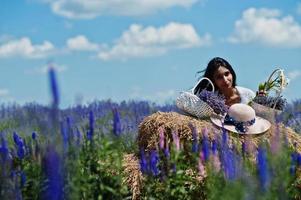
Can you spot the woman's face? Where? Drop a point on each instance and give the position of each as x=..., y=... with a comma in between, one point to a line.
x=223, y=79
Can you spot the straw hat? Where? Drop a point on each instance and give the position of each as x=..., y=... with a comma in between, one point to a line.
x=242, y=119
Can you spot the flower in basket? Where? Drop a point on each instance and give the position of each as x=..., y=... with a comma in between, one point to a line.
x=216, y=101
x=272, y=102
x=276, y=82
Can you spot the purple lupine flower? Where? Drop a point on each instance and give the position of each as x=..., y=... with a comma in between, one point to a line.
x=224, y=137
x=64, y=134
x=91, y=122
x=20, y=145
x=143, y=162
x=166, y=152
x=21, y=151
x=78, y=136
x=53, y=86
x=16, y=138
x=176, y=140
x=294, y=163
x=214, y=147
x=161, y=138
x=154, y=159
x=89, y=135
x=34, y=135
x=229, y=164
x=51, y=166
x=262, y=167
x=4, y=149
x=22, y=179
x=205, y=144
x=69, y=129
x=299, y=159
x=195, y=144
x=116, y=122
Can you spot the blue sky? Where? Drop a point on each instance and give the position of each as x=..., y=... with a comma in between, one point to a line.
x=150, y=50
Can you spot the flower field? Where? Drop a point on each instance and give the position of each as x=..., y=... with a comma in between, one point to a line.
x=78, y=153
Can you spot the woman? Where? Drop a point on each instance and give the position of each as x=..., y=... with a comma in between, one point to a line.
x=221, y=73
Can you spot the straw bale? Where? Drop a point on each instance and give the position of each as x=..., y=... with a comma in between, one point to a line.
x=148, y=135
x=133, y=176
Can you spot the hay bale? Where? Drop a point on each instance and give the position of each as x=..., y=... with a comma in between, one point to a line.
x=148, y=135
x=133, y=176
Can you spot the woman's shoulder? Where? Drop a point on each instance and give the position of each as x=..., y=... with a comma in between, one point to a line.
x=246, y=94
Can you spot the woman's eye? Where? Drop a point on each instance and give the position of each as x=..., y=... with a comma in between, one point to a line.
x=227, y=73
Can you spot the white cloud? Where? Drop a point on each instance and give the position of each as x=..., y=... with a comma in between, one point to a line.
x=138, y=41
x=293, y=74
x=24, y=48
x=44, y=69
x=4, y=92
x=88, y=9
x=81, y=43
x=267, y=27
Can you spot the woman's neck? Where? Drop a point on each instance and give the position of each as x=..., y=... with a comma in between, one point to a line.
x=229, y=92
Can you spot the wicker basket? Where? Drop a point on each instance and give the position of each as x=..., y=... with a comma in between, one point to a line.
x=191, y=104
x=265, y=112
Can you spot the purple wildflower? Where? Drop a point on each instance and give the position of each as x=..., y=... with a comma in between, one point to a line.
x=294, y=162
x=166, y=152
x=229, y=164
x=22, y=179
x=53, y=87
x=91, y=123
x=205, y=144
x=52, y=169
x=4, y=149
x=224, y=137
x=154, y=159
x=176, y=140
x=262, y=167
x=214, y=147
x=78, y=136
x=64, y=134
x=16, y=138
x=299, y=160
x=215, y=101
x=20, y=145
x=161, y=138
x=195, y=144
x=143, y=162
x=89, y=135
x=116, y=122
x=69, y=130
x=34, y=135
